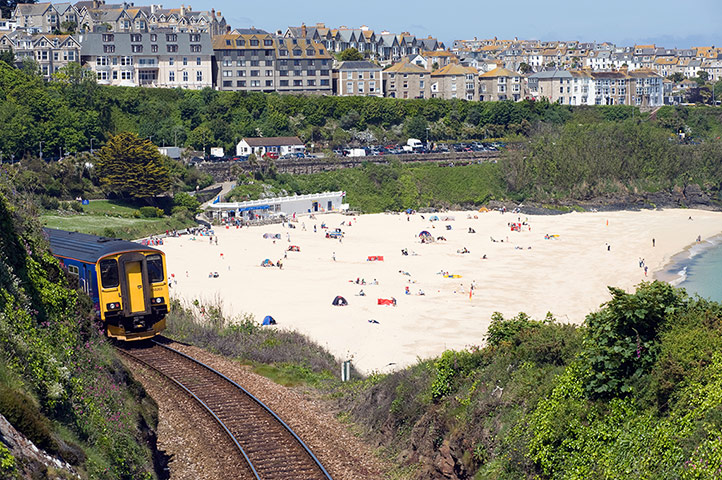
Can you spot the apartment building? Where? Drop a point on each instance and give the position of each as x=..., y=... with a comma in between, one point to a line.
x=642, y=87
x=303, y=66
x=43, y=17
x=245, y=61
x=51, y=52
x=358, y=78
x=406, y=80
x=501, y=84
x=255, y=60
x=455, y=81
x=157, y=59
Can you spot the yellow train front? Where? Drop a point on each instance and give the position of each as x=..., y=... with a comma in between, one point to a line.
x=126, y=280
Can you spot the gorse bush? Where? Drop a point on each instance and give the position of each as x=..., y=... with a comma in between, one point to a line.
x=150, y=212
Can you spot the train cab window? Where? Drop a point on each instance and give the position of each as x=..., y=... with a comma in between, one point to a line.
x=155, y=268
x=109, y=273
x=73, y=270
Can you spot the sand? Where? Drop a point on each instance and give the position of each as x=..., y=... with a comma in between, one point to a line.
x=566, y=275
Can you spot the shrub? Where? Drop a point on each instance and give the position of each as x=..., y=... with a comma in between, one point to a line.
x=151, y=212
x=183, y=199
x=502, y=330
x=49, y=203
x=24, y=415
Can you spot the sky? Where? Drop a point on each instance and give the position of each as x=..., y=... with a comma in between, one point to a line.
x=667, y=23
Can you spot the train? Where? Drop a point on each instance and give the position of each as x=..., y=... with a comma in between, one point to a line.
x=126, y=281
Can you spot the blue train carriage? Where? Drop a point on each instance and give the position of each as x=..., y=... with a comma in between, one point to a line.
x=126, y=281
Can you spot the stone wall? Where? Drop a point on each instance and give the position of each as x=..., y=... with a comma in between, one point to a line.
x=224, y=171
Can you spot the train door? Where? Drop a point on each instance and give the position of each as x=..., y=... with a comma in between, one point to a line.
x=135, y=288
x=134, y=284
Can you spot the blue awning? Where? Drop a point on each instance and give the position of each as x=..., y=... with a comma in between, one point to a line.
x=259, y=207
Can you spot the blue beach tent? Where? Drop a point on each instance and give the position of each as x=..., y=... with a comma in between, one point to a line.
x=268, y=320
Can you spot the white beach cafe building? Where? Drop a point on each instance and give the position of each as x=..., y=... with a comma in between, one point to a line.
x=288, y=206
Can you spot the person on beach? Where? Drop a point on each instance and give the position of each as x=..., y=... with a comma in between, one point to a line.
x=645, y=270
x=653, y=242
x=334, y=256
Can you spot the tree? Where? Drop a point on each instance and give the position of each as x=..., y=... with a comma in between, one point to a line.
x=129, y=166
x=7, y=6
x=350, y=54
x=8, y=56
x=702, y=77
x=416, y=127
x=69, y=27
x=74, y=74
x=676, y=77
x=524, y=68
x=434, y=66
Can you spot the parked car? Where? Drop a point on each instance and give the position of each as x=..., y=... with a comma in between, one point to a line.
x=271, y=155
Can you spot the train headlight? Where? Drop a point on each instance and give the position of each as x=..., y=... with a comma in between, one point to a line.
x=113, y=306
x=158, y=300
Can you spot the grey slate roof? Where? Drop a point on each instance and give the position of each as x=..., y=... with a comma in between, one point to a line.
x=551, y=74
x=358, y=65
x=92, y=44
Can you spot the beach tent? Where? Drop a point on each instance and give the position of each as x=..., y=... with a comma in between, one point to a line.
x=375, y=258
x=339, y=301
x=484, y=209
x=385, y=301
x=269, y=320
x=267, y=263
x=426, y=237
x=294, y=248
x=448, y=218
x=433, y=218
x=272, y=235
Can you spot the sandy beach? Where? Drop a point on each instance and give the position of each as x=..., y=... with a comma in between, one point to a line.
x=566, y=274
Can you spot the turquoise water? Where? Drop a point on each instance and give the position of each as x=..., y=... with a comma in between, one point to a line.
x=699, y=270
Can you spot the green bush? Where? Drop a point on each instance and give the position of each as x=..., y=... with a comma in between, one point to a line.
x=24, y=415
x=8, y=465
x=151, y=212
x=182, y=199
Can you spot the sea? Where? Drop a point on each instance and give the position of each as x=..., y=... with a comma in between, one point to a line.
x=697, y=269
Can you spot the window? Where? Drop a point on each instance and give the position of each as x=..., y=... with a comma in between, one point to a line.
x=298, y=83
x=421, y=84
x=309, y=52
x=171, y=76
x=254, y=42
x=126, y=61
x=115, y=75
x=227, y=83
x=171, y=37
x=311, y=83
x=269, y=73
x=324, y=82
x=283, y=73
x=283, y=53
x=297, y=63
x=185, y=61
x=267, y=43
x=126, y=75
x=255, y=63
x=360, y=87
x=284, y=83
x=255, y=83
x=101, y=61
x=195, y=48
x=311, y=73
x=153, y=37
x=255, y=73
x=108, y=48
x=154, y=48
x=240, y=83
x=136, y=48
x=297, y=52
x=199, y=76
x=227, y=73
x=73, y=270
x=349, y=87
x=240, y=73
x=108, y=37
x=172, y=48
x=268, y=63
x=195, y=37
x=109, y=277
x=185, y=76
x=269, y=83
x=136, y=37
x=240, y=63
x=171, y=61
x=324, y=73
x=198, y=61
x=239, y=42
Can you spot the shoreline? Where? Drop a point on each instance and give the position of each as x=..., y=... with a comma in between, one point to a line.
x=555, y=263
x=674, y=271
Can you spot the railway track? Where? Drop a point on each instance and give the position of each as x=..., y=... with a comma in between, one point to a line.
x=270, y=449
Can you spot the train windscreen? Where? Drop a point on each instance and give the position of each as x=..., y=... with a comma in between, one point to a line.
x=109, y=273
x=155, y=268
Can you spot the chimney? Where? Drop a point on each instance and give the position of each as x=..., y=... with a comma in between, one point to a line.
x=95, y=4
x=303, y=30
x=183, y=10
x=218, y=14
x=320, y=25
